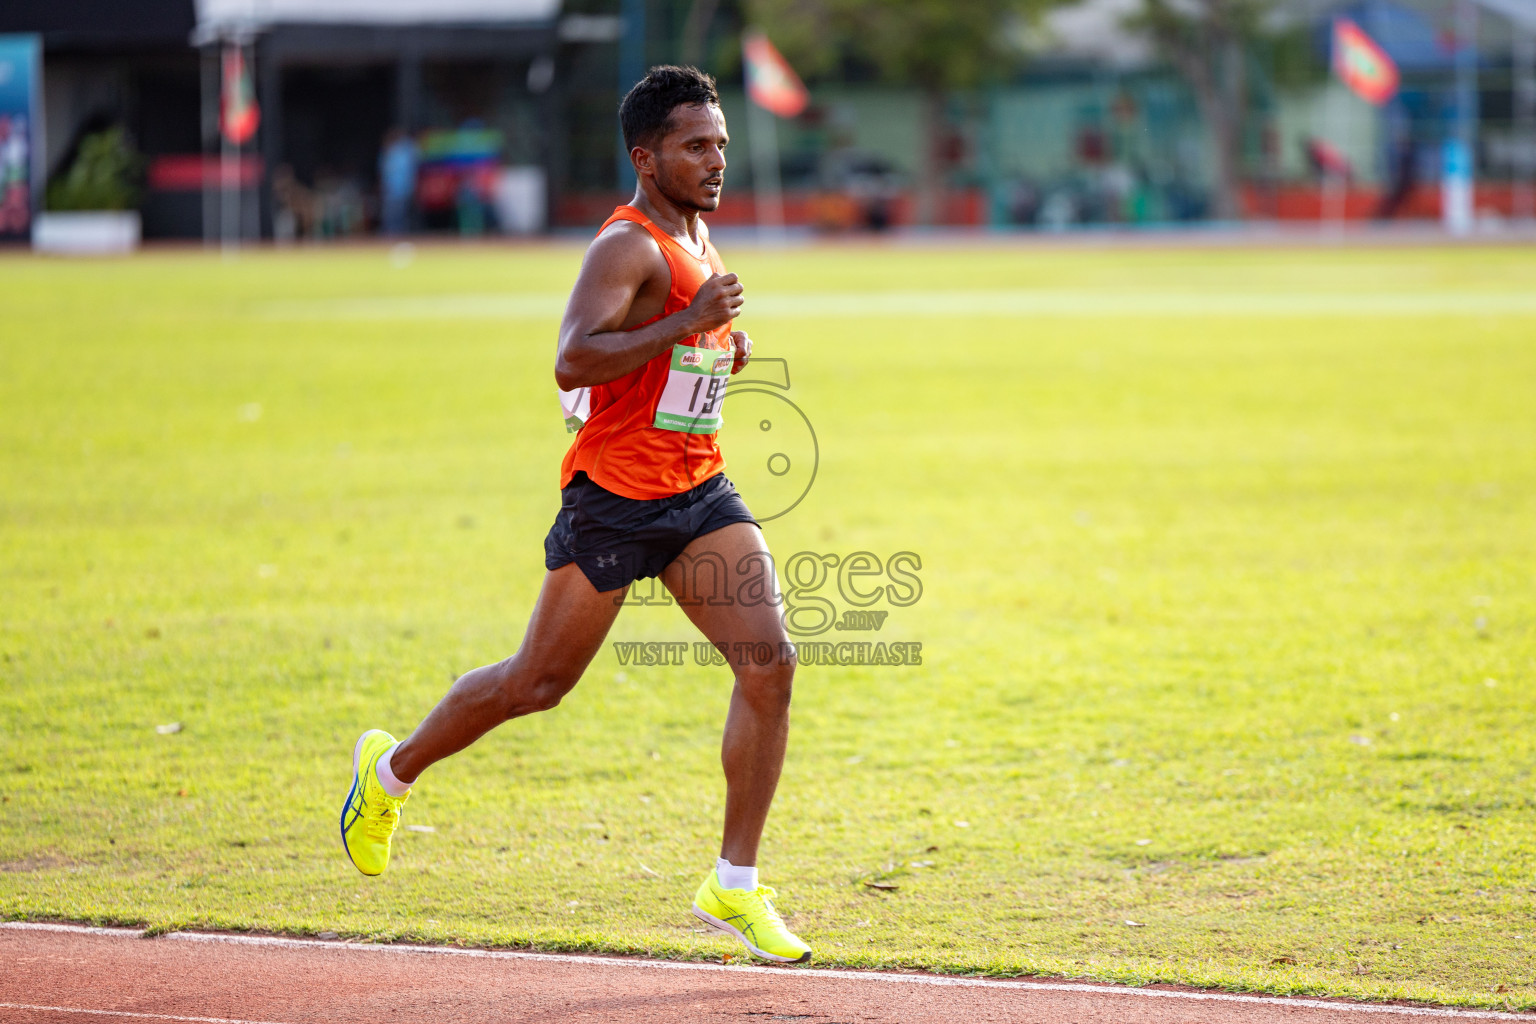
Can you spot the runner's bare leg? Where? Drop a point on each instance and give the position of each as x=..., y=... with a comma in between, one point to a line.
x=567, y=628
x=757, y=725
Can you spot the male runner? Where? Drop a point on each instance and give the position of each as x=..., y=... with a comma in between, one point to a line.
x=647, y=334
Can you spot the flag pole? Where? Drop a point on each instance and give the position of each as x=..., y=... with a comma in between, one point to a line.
x=767, y=193
x=773, y=91
x=212, y=82
x=1366, y=70
x=1338, y=180
x=249, y=185
x=227, y=208
x=1326, y=183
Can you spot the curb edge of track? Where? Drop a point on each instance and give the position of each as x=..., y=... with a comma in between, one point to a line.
x=830, y=974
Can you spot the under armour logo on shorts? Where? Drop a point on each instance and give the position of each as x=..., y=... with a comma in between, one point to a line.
x=607, y=560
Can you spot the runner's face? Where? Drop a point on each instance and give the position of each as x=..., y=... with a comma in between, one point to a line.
x=690, y=162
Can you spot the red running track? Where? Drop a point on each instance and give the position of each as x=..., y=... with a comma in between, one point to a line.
x=52, y=974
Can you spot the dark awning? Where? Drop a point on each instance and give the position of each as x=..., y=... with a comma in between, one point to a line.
x=101, y=24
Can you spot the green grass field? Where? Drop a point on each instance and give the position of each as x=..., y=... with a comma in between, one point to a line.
x=1227, y=612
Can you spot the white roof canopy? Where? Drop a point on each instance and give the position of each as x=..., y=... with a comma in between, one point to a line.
x=214, y=15
x=1521, y=12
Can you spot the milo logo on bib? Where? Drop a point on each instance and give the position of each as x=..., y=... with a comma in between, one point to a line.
x=695, y=389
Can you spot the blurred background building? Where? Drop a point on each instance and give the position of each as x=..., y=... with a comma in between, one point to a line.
x=329, y=119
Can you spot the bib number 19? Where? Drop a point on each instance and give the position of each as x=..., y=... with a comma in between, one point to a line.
x=695, y=390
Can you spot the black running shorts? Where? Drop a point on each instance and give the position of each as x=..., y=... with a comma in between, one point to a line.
x=616, y=540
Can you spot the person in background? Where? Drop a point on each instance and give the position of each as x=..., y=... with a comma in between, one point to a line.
x=397, y=180
x=296, y=207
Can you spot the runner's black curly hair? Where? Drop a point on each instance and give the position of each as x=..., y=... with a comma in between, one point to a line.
x=646, y=113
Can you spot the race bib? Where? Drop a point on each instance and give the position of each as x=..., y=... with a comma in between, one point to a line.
x=576, y=407
x=695, y=390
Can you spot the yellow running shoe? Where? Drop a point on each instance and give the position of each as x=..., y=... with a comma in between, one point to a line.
x=749, y=915
x=370, y=815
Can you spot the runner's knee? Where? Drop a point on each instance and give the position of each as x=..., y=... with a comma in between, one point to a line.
x=539, y=689
x=767, y=686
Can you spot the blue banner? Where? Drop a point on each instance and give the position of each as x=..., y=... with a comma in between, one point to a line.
x=21, y=134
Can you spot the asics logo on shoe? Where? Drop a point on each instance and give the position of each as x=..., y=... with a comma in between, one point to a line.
x=354, y=806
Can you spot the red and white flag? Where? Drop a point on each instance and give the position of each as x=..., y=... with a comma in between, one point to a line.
x=238, y=113
x=771, y=82
x=1361, y=64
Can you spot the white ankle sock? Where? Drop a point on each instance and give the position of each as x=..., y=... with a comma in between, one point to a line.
x=392, y=785
x=734, y=876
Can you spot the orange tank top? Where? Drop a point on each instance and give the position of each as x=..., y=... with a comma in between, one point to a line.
x=618, y=446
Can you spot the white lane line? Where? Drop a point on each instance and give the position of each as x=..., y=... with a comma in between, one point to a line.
x=824, y=974
x=1069, y=302
x=74, y=929
x=465, y=306
x=130, y=1013
x=1098, y=302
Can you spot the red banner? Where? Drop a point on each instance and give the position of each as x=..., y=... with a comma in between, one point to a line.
x=1361, y=64
x=771, y=82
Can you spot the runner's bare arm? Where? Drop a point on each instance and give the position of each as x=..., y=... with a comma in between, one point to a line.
x=740, y=343
x=623, y=282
